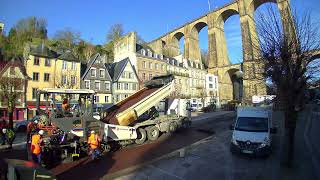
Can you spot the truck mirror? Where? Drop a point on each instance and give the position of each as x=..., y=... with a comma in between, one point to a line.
x=273, y=130
x=231, y=126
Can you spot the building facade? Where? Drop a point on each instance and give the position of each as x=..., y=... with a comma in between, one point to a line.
x=48, y=69
x=125, y=80
x=15, y=72
x=96, y=77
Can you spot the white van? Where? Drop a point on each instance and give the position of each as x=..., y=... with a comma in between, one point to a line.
x=252, y=131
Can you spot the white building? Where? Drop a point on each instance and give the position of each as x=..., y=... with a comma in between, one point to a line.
x=212, y=86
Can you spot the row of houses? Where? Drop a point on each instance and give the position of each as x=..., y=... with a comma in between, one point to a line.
x=133, y=65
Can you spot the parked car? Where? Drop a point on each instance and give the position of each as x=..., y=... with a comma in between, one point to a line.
x=252, y=131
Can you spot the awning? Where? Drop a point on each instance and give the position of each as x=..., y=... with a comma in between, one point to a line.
x=34, y=107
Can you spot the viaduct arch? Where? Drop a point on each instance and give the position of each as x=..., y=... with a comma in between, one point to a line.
x=218, y=61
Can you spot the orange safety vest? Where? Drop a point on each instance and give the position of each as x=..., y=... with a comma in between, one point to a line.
x=93, y=141
x=35, y=144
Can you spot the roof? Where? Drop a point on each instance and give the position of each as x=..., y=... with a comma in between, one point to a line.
x=115, y=69
x=43, y=51
x=4, y=65
x=91, y=63
x=68, y=55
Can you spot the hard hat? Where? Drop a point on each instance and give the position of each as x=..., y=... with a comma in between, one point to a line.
x=36, y=121
x=41, y=132
x=92, y=132
x=4, y=130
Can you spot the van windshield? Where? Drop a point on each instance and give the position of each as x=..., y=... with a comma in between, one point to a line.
x=252, y=124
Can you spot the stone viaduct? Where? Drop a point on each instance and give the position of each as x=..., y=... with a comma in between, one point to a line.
x=218, y=61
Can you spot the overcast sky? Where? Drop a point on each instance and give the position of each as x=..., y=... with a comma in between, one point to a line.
x=150, y=19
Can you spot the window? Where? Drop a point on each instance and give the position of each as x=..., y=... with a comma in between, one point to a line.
x=149, y=53
x=97, y=85
x=74, y=66
x=35, y=76
x=210, y=85
x=126, y=87
x=150, y=76
x=144, y=64
x=93, y=72
x=46, y=77
x=134, y=86
x=97, y=99
x=106, y=98
x=36, y=61
x=130, y=75
x=87, y=84
x=64, y=80
x=150, y=65
x=64, y=64
x=47, y=62
x=156, y=66
x=210, y=79
x=126, y=95
x=123, y=75
x=143, y=52
x=34, y=93
x=12, y=72
x=144, y=76
x=102, y=73
x=107, y=86
x=118, y=86
x=73, y=80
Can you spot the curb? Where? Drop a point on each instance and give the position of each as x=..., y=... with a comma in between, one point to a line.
x=141, y=165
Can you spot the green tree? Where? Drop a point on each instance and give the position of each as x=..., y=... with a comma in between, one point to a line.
x=26, y=30
x=9, y=94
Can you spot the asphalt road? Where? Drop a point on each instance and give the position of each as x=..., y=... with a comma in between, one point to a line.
x=211, y=159
x=130, y=156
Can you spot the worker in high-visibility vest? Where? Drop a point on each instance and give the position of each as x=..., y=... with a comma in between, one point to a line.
x=36, y=141
x=9, y=136
x=94, y=143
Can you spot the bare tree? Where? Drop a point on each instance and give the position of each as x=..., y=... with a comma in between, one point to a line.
x=9, y=94
x=287, y=49
x=115, y=32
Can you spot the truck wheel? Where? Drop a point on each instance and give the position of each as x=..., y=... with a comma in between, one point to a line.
x=142, y=136
x=172, y=127
x=153, y=133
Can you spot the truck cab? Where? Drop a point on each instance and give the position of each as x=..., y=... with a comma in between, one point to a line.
x=252, y=131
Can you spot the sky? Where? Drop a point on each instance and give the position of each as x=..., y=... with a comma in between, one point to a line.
x=150, y=19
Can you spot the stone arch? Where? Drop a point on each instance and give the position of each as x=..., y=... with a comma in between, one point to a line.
x=177, y=36
x=232, y=85
x=163, y=43
x=224, y=16
x=315, y=55
x=254, y=4
x=198, y=26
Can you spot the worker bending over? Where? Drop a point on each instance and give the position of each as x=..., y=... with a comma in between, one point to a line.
x=9, y=136
x=36, y=142
x=94, y=143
